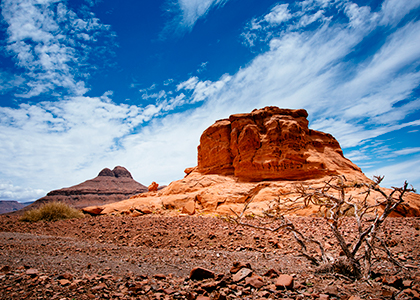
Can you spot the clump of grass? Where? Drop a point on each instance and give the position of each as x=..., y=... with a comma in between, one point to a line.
x=52, y=211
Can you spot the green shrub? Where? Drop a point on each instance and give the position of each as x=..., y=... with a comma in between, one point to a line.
x=52, y=211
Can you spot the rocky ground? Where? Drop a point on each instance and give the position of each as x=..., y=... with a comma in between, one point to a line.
x=190, y=257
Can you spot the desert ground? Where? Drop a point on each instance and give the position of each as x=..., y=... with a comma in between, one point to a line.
x=162, y=256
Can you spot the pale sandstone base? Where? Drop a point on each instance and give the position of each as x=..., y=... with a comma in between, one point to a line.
x=217, y=194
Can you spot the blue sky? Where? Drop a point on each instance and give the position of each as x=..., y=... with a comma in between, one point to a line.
x=88, y=84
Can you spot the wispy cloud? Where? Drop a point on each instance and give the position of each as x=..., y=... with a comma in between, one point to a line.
x=355, y=97
x=10, y=192
x=9, y=81
x=52, y=45
x=407, y=151
x=65, y=136
x=396, y=174
x=185, y=13
x=323, y=68
x=278, y=14
x=394, y=11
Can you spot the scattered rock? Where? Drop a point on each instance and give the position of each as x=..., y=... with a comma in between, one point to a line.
x=65, y=276
x=153, y=187
x=209, y=286
x=284, y=282
x=324, y=297
x=271, y=273
x=169, y=291
x=189, y=208
x=331, y=290
x=355, y=298
x=99, y=287
x=64, y=282
x=199, y=273
x=254, y=281
x=32, y=272
x=93, y=210
x=239, y=265
x=407, y=283
x=5, y=269
x=241, y=274
x=103, y=258
x=394, y=281
x=160, y=276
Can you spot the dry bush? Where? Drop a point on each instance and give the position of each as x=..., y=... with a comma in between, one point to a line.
x=52, y=211
x=333, y=205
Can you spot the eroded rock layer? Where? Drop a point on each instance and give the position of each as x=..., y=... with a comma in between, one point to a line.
x=108, y=187
x=264, y=156
x=209, y=194
x=270, y=144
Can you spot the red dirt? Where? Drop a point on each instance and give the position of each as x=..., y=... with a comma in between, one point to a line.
x=150, y=257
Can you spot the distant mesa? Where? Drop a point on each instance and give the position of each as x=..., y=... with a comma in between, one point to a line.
x=261, y=155
x=7, y=206
x=108, y=187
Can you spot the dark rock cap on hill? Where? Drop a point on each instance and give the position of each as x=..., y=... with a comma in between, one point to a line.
x=108, y=187
x=262, y=155
x=117, y=172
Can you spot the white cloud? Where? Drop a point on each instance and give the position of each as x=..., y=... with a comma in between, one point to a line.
x=263, y=29
x=51, y=43
x=351, y=97
x=66, y=138
x=396, y=174
x=187, y=12
x=407, y=151
x=190, y=84
x=10, y=192
x=202, y=67
x=280, y=13
x=309, y=5
x=309, y=70
x=360, y=17
x=395, y=10
x=202, y=90
x=308, y=19
x=9, y=81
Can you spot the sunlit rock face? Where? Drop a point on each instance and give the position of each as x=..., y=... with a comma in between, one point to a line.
x=264, y=156
x=270, y=144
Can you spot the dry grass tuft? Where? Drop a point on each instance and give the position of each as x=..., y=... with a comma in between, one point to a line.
x=52, y=211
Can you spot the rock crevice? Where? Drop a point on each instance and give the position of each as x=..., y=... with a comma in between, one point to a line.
x=255, y=158
x=270, y=144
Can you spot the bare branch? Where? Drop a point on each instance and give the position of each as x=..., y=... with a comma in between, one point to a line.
x=333, y=204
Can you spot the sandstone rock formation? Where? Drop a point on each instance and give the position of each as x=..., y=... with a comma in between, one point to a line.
x=108, y=187
x=153, y=187
x=270, y=144
x=262, y=155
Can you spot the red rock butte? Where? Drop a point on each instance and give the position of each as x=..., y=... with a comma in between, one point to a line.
x=270, y=144
x=261, y=155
